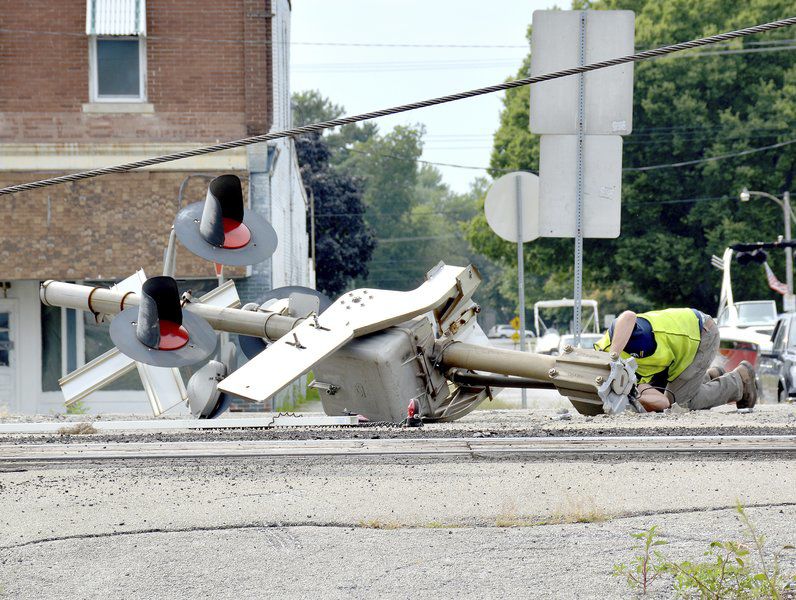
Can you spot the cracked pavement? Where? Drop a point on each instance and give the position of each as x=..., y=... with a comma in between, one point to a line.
x=364, y=527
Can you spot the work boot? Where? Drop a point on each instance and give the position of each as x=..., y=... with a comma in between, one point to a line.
x=748, y=385
x=715, y=372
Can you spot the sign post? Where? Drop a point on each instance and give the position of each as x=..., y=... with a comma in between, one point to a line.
x=580, y=120
x=520, y=273
x=512, y=211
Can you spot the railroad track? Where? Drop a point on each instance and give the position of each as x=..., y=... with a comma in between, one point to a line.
x=473, y=447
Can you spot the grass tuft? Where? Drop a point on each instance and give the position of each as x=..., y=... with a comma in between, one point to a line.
x=578, y=511
x=379, y=524
x=82, y=428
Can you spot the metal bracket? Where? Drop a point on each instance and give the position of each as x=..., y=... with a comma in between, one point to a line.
x=316, y=324
x=616, y=391
x=296, y=343
x=329, y=388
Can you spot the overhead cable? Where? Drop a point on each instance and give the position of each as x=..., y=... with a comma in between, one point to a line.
x=628, y=169
x=710, y=158
x=421, y=45
x=239, y=41
x=316, y=127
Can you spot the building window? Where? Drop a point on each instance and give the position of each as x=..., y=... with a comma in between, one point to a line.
x=97, y=340
x=5, y=339
x=117, y=50
x=117, y=68
x=52, y=367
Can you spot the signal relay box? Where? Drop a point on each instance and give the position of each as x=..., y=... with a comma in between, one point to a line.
x=381, y=373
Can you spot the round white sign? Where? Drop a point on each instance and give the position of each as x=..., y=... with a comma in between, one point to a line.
x=500, y=206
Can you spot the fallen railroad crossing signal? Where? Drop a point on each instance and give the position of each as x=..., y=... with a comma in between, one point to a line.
x=374, y=351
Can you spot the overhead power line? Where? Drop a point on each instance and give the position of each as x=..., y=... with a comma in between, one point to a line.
x=421, y=45
x=421, y=238
x=274, y=42
x=316, y=127
x=417, y=160
x=710, y=158
x=628, y=169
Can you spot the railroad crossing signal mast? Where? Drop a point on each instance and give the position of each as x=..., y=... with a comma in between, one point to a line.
x=378, y=353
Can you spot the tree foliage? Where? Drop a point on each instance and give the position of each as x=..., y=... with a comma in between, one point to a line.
x=686, y=107
x=343, y=241
x=415, y=218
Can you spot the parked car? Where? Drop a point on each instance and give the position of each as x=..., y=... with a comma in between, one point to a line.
x=505, y=331
x=587, y=340
x=776, y=370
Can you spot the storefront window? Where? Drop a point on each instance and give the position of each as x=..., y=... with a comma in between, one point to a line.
x=97, y=342
x=50, y=348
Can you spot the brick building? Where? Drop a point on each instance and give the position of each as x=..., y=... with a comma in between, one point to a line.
x=89, y=83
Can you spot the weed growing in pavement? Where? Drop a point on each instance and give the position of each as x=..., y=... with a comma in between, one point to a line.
x=509, y=517
x=379, y=524
x=439, y=525
x=579, y=511
x=77, y=408
x=512, y=520
x=729, y=570
x=648, y=565
x=82, y=428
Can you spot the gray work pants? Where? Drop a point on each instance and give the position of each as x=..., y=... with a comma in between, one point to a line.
x=692, y=389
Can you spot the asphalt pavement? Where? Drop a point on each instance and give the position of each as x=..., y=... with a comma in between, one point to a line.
x=385, y=526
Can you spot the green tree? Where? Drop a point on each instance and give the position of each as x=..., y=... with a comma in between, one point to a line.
x=343, y=241
x=312, y=107
x=686, y=107
x=415, y=218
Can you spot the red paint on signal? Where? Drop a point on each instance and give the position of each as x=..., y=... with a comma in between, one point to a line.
x=236, y=235
x=172, y=336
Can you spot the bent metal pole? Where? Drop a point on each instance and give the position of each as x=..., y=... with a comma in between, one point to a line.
x=98, y=300
x=576, y=372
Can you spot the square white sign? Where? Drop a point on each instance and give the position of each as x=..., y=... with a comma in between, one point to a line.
x=555, y=45
x=602, y=185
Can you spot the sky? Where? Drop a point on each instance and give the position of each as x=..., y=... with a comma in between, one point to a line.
x=369, y=77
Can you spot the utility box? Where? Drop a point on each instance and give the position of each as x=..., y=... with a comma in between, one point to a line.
x=380, y=374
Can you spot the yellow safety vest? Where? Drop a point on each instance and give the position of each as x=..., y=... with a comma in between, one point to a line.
x=677, y=337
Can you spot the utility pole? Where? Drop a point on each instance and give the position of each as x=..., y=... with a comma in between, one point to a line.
x=788, y=250
x=312, y=235
x=789, y=301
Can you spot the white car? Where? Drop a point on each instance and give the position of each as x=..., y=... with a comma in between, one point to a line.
x=587, y=340
x=505, y=332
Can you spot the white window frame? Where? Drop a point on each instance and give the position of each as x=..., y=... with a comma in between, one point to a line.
x=93, y=85
x=79, y=341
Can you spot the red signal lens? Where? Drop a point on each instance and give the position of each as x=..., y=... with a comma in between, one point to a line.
x=236, y=235
x=172, y=336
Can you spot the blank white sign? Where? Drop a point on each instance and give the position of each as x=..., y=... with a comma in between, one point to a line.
x=602, y=185
x=500, y=206
x=555, y=45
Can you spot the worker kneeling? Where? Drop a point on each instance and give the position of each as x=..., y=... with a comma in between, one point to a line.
x=674, y=349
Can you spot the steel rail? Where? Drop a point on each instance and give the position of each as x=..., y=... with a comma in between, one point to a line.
x=450, y=447
x=317, y=127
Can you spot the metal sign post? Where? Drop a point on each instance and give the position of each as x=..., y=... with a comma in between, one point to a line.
x=581, y=120
x=520, y=272
x=578, y=291
x=512, y=211
x=788, y=301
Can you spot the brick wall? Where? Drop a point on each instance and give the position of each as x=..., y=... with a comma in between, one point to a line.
x=208, y=79
x=208, y=73
x=104, y=228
